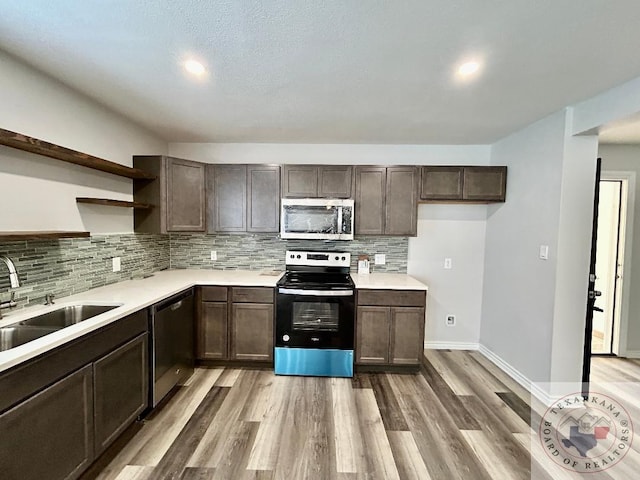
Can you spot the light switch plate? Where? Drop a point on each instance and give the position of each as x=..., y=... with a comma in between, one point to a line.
x=544, y=252
x=214, y=255
x=448, y=264
x=115, y=261
x=380, y=258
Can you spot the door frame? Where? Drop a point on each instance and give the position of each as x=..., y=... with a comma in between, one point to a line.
x=620, y=330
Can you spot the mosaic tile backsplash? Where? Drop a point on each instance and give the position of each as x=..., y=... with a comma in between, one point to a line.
x=267, y=251
x=67, y=266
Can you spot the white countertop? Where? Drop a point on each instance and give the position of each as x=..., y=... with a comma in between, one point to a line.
x=388, y=281
x=134, y=295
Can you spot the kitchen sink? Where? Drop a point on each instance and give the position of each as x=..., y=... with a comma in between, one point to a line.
x=15, y=335
x=66, y=316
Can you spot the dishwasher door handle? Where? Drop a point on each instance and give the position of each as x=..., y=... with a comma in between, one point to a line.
x=176, y=305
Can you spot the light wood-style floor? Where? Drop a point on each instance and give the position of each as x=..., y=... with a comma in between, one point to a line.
x=459, y=418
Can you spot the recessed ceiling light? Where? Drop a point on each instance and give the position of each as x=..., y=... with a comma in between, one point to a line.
x=468, y=68
x=194, y=67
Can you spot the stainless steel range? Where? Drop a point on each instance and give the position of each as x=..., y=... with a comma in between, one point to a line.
x=315, y=315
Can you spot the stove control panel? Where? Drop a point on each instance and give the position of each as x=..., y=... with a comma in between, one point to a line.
x=318, y=259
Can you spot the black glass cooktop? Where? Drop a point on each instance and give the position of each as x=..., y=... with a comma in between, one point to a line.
x=316, y=281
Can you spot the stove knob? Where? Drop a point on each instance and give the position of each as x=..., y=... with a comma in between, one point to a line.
x=292, y=256
x=298, y=256
x=285, y=338
x=337, y=258
x=344, y=258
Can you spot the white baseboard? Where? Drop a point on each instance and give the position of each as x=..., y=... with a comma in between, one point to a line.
x=632, y=354
x=507, y=368
x=451, y=345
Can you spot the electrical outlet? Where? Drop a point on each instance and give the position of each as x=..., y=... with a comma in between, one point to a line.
x=380, y=258
x=447, y=263
x=115, y=262
x=451, y=320
x=214, y=255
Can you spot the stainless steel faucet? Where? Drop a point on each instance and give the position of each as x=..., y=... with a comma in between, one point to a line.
x=13, y=275
x=15, y=283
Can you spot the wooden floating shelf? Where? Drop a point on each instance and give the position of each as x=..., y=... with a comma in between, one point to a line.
x=44, y=235
x=40, y=147
x=114, y=203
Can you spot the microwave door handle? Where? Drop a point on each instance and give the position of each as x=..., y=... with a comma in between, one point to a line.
x=339, y=219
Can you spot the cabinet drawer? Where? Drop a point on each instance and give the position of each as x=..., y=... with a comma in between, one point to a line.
x=252, y=295
x=392, y=298
x=214, y=294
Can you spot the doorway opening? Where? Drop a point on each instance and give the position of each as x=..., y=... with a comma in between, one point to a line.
x=612, y=211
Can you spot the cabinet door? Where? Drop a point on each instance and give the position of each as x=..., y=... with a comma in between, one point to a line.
x=227, y=208
x=50, y=435
x=372, y=335
x=263, y=200
x=401, y=209
x=185, y=196
x=212, y=335
x=370, y=200
x=334, y=181
x=485, y=184
x=300, y=181
x=441, y=183
x=407, y=335
x=252, y=331
x=121, y=386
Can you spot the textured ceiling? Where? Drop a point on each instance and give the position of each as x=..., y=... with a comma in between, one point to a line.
x=334, y=71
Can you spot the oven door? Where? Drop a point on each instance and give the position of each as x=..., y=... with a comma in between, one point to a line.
x=315, y=318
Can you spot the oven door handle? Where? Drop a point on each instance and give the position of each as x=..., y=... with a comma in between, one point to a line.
x=316, y=293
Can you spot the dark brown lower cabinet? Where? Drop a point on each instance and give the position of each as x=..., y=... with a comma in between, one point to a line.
x=373, y=334
x=213, y=337
x=252, y=331
x=390, y=327
x=50, y=435
x=120, y=390
x=62, y=409
x=407, y=335
x=235, y=323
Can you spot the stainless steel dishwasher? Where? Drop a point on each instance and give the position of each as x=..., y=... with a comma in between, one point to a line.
x=172, y=344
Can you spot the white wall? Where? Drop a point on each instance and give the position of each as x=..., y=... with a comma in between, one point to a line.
x=534, y=310
x=574, y=253
x=39, y=193
x=610, y=106
x=456, y=232
x=626, y=158
x=329, y=153
x=518, y=296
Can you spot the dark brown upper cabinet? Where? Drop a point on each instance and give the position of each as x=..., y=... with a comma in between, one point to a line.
x=263, y=198
x=227, y=193
x=177, y=195
x=386, y=200
x=317, y=181
x=463, y=184
x=243, y=198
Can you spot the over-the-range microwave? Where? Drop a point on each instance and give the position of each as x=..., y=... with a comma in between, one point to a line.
x=317, y=218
